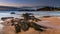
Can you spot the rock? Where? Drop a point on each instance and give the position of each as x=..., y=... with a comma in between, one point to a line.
x=46, y=16
x=12, y=12
x=3, y=18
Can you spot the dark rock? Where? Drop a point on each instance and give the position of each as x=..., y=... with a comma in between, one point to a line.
x=13, y=13
x=17, y=28
x=24, y=26
x=46, y=16
x=3, y=18
x=37, y=27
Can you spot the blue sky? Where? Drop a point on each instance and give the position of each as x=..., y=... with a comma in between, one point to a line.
x=20, y=3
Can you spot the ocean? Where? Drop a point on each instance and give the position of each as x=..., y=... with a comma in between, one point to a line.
x=36, y=13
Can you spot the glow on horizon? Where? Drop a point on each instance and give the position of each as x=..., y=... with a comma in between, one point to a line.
x=16, y=5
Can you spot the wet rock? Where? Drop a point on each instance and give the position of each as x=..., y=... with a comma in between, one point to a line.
x=37, y=27
x=13, y=13
x=24, y=26
x=3, y=18
x=46, y=16
x=17, y=28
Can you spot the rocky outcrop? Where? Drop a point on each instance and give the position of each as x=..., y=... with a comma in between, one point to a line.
x=3, y=18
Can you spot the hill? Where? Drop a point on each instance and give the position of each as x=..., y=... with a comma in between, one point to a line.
x=48, y=9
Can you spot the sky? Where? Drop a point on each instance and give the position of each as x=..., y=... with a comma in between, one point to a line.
x=21, y=3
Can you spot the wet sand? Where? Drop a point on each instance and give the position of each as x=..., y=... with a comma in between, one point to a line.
x=53, y=24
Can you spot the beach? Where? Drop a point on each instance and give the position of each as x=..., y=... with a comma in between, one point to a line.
x=52, y=24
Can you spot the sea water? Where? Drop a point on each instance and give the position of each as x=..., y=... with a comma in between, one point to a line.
x=36, y=13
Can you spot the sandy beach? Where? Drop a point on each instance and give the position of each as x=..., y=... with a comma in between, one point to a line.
x=53, y=24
